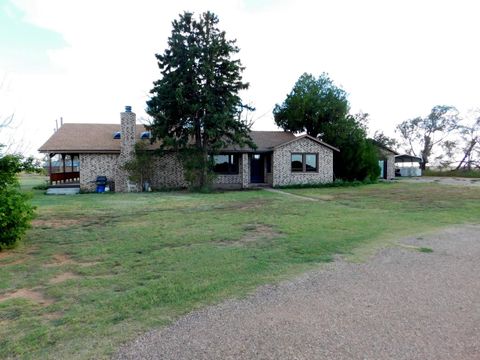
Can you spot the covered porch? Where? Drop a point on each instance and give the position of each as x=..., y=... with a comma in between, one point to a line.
x=64, y=169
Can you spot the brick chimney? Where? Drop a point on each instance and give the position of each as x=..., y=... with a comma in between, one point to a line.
x=127, y=129
x=127, y=147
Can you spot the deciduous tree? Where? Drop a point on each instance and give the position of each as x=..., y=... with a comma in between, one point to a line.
x=312, y=105
x=422, y=135
x=320, y=108
x=385, y=140
x=470, y=146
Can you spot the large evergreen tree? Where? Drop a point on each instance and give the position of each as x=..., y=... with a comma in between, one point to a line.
x=195, y=106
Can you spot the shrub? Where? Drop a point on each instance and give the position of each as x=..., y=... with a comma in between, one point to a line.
x=15, y=210
x=15, y=215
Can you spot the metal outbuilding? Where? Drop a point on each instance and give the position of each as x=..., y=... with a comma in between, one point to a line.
x=408, y=165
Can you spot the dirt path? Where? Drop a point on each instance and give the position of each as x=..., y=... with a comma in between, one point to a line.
x=402, y=304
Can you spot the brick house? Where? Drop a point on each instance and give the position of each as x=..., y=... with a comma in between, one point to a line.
x=281, y=158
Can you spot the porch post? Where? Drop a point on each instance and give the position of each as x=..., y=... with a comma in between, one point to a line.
x=50, y=167
x=63, y=162
x=245, y=171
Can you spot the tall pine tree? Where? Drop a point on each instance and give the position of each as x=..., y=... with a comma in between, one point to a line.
x=195, y=106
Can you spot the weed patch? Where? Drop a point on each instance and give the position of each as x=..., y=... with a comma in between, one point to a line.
x=425, y=250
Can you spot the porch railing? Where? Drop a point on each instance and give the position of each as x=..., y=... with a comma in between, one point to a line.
x=65, y=177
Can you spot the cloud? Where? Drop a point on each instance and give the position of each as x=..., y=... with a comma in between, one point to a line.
x=395, y=59
x=24, y=47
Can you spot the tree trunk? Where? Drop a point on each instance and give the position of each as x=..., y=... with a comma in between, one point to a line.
x=467, y=155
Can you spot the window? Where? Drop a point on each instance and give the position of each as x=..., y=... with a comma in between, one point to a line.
x=304, y=162
x=297, y=163
x=225, y=164
x=117, y=135
x=145, y=135
x=310, y=162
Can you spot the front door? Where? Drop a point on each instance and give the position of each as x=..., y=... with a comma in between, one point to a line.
x=257, y=168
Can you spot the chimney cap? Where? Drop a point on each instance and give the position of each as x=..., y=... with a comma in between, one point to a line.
x=128, y=108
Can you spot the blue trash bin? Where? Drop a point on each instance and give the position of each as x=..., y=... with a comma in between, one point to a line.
x=101, y=183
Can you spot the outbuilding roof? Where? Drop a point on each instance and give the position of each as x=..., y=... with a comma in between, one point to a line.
x=99, y=138
x=407, y=158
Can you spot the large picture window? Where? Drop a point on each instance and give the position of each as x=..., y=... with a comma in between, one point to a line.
x=304, y=162
x=225, y=164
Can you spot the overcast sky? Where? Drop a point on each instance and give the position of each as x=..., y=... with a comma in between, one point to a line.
x=85, y=60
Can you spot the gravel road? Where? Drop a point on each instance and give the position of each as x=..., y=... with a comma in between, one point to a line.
x=401, y=304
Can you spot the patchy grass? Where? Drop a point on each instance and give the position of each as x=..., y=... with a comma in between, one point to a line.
x=97, y=270
x=425, y=250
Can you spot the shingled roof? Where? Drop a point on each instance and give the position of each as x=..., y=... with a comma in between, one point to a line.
x=98, y=138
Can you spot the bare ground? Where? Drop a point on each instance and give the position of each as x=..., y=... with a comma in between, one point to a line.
x=33, y=295
x=401, y=304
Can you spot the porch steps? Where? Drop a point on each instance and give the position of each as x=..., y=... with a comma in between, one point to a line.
x=63, y=190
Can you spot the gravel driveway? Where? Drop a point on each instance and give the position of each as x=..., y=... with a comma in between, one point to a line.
x=401, y=304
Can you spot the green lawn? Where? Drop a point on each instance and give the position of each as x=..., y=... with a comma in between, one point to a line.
x=96, y=270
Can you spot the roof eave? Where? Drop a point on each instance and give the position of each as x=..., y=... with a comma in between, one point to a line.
x=308, y=137
x=70, y=151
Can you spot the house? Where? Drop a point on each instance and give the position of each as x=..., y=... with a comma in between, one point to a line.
x=386, y=160
x=281, y=158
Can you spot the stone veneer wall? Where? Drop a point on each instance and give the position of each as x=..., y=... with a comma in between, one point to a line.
x=93, y=165
x=167, y=172
x=281, y=163
x=390, y=158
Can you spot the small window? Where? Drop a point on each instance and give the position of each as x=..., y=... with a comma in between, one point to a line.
x=304, y=162
x=117, y=135
x=225, y=164
x=297, y=163
x=145, y=135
